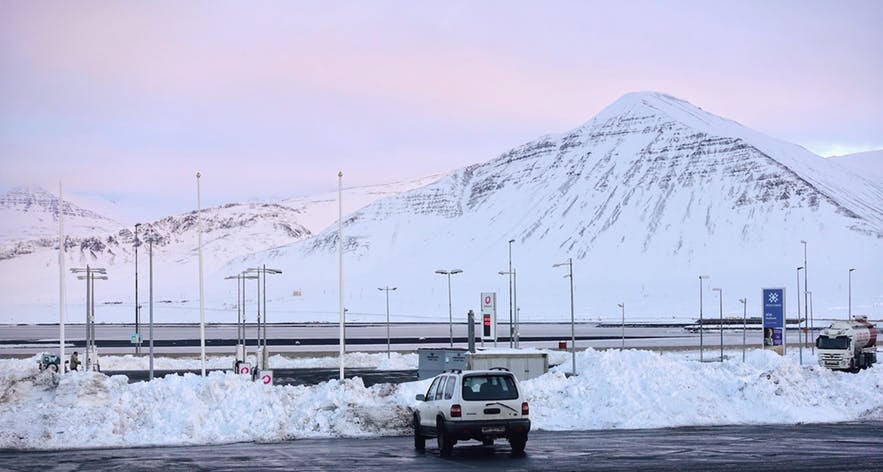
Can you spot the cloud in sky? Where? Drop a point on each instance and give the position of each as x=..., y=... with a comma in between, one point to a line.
x=131, y=98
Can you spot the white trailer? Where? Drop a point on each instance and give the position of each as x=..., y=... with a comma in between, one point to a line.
x=848, y=345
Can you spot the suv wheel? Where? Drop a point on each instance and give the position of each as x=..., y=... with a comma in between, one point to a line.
x=518, y=443
x=445, y=443
x=419, y=439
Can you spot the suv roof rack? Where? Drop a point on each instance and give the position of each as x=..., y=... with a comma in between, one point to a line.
x=499, y=368
x=452, y=371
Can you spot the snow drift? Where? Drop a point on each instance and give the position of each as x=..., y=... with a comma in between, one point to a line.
x=630, y=389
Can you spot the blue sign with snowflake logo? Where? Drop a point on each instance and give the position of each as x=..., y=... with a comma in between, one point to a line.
x=773, y=316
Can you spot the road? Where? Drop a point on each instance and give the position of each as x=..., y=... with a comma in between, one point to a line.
x=294, y=338
x=824, y=447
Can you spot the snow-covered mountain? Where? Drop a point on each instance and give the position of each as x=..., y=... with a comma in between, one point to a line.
x=868, y=164
x=32, y=214
x=28, y=260
x=645, y=197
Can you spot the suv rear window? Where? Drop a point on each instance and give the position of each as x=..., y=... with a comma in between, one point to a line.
x=489, y=387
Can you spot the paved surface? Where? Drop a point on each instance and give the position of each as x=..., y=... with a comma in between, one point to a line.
x=851, y=447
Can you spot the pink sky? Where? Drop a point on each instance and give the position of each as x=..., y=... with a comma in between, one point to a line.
x=130, y=99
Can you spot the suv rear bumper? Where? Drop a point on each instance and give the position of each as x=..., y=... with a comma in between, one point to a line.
x=486, y=429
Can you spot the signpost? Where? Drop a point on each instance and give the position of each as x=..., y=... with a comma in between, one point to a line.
x=489, y=316
x=774, y=319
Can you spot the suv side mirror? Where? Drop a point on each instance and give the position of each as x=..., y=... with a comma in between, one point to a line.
x=420, y=397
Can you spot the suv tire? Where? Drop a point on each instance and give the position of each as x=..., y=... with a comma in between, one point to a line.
x=445, y=443
x=518, y=443
x=419, y=439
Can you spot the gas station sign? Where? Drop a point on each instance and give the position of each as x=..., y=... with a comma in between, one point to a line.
x=488, y=316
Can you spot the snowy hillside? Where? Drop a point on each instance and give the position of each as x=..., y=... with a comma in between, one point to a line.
x=645, y=197
x=32, y=214
x=868, y=164
x=28, y=266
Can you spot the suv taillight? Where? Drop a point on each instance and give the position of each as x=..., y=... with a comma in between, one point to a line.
x=456, y=411
x=525, y=409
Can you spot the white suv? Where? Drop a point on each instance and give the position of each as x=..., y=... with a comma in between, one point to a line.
x=475, y=404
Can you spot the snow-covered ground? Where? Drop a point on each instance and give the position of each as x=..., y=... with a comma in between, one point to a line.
x=629, y=389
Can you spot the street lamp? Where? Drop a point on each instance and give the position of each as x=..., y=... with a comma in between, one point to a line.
x=387, y=289
x=513, y=335
x=449, y=273
x=151, y=238
x=263, y=270
x=720, y=296
x=744, y=302
x=701, y=322
x=201, y=289
x=92, y=273
x=622, y=305
x=569, y=275
x=805, y=296
x=137, y=243
x=812, y=325
x=799, y=331
x=850, y=294
x=511, y=289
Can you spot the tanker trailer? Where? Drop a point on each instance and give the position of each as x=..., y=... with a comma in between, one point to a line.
x=848, y=345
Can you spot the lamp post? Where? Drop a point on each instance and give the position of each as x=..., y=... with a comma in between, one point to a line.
x=720, y=296
x=812, y=344
x=701, y=322
x=569, y=275
x=137, y=243
x=340, y=272
x=513, y=334
x=201, y=289
x=92, y=273
x=511, y=309
x=799, y=331
x=805, y=295
x=449, y=273
x=850, y=294
x=150, y=238
x=263, y=270
x=622, y=305
x=744, y=302
x=387, y=289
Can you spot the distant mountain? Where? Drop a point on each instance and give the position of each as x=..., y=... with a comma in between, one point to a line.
x=232, y=230
x=644, y=197
x=28, y=213
x=868, y=164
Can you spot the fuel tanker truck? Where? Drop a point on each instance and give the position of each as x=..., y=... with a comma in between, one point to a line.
x=848, y=345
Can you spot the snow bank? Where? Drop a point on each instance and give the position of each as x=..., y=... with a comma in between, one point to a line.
x=630, y=389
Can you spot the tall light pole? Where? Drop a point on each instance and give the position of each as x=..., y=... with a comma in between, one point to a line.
x=812, y=343
x=701, y=322
x=387, y=289
x=238, y=314
x=137, y=243
x=150, y=238
x=61, y=286
x=340, y=257
x=569, y=275
x=744, y=302
x=720, y=296
x=263, y=270
x=511, y=308
x=449, y=273
x=622, y=305
x=799, y=334
x=850, y=294
x=201, y=290
x=92, y=273
x=805, y=295
x=513, y=334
